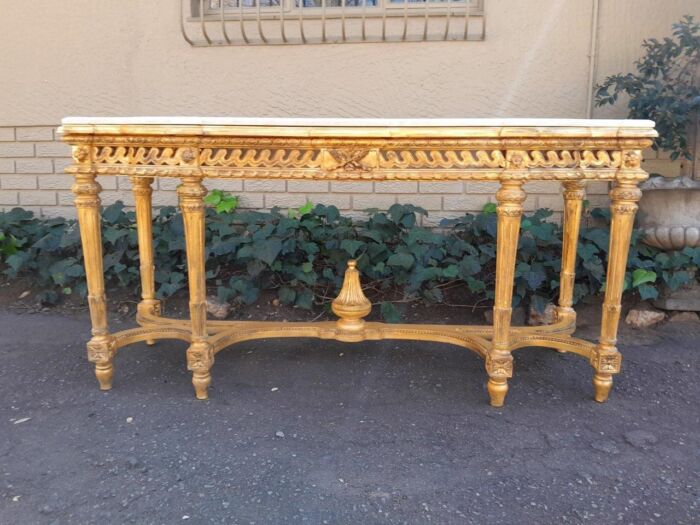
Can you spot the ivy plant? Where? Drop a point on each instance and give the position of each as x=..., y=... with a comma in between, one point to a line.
x=301, y=255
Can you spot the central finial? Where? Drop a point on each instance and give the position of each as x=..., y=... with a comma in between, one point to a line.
x=351, y=305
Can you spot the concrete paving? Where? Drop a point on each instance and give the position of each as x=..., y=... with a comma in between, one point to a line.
x=302, y=431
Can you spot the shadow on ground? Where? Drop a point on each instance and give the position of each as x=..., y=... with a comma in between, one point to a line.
x=306, y=431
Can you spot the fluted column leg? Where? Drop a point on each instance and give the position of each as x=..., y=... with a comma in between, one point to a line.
x=499, y=361
x=149, y=305
x=101, y=348
x=200, y=355
x=606, y=359
x=574, y=193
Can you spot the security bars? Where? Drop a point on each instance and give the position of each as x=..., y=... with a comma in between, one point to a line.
x=279, y=22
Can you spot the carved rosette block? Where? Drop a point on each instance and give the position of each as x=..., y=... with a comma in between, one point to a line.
x=606, y=362
x=200, y=359
x=149, y=307
x=499, y=366
x=351, y=305
x=101, y=349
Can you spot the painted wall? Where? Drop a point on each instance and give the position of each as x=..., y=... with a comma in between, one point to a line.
x=127, y=57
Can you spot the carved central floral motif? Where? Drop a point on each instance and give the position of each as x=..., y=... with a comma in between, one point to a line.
x=350, y=159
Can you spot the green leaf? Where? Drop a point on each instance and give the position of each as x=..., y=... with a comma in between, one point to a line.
x=351, y=246
x=469, y=266
x=267, y=250
x=15, y=261
x=534, y=278
x=213, y=197
x=601, y=237
x=286, y=295
x=389, y=313
x=404, y=260
x=306, y=208
x=489, y=208
x=648, y=291
x=539, y=303
x=451, y=271
x=113, y=213
x=675, y=280
x=227, y=204
x=641, y=276
x=586, y=251
x=305, y=299
x=112, y=235
x=475, y=285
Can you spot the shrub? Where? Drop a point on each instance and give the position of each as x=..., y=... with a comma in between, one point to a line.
x=665, y=87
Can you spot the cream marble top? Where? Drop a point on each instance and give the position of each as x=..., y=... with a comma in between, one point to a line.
x=361, y=122
x=367, y=127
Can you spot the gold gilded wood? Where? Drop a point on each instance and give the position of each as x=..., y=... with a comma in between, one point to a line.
x=200, y=354
x=606, y=359
x=357, y=159
x=144, y=226
x=510, y=155
x=351, y=305
x=499, y=361
x=101, y=347
x=574, y=193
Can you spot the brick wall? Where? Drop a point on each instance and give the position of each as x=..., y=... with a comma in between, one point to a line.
x=32, y=163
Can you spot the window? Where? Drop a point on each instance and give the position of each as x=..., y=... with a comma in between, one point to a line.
x=241, y=22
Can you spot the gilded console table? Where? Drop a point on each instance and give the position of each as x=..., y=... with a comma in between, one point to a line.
x=511, y=152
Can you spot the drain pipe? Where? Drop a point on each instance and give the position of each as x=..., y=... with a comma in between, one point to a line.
x=592, y=56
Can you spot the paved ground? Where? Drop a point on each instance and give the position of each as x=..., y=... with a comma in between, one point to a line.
x=321, y=432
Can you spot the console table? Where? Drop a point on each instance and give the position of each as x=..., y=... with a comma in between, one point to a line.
x=508, y=151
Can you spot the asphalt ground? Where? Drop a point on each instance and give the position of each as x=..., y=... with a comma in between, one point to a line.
x=306, y=431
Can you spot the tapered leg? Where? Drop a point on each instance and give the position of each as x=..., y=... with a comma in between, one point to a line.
x=606, y=359
x=574, y=192
x=101, y=347
x=142, y=190
x=499, y=361
x=200, y=355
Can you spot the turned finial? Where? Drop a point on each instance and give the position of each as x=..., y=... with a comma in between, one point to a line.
x=351, y=305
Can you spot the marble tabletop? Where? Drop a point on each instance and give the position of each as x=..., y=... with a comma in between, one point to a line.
x=358, y=122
